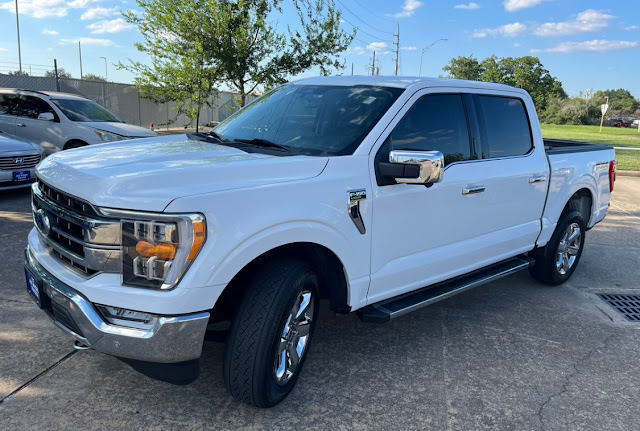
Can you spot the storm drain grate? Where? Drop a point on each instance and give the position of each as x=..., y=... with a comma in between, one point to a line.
x=627, y=305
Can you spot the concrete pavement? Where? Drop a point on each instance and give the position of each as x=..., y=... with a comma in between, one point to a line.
x=511, y=355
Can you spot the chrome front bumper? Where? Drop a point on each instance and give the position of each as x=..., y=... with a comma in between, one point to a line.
x=172, y=338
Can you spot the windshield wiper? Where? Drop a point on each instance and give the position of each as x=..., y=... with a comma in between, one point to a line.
x=217, y=136
x=263, y=143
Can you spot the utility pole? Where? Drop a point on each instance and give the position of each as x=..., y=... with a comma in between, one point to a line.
x=55, y=70
x=106, y=75
x=373, y=64
x=80, y=53
x=351, y=69
x=397, y=51
x=18, y=29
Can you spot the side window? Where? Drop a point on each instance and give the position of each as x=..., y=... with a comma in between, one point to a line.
x=435, y=123
x=31, y=107
x=9, y=104
x=505, y=126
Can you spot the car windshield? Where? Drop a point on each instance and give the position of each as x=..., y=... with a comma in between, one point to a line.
x=312, y=119
x=84, y=110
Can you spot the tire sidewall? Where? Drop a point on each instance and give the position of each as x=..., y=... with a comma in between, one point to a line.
x=568, y=217
x=275, y=392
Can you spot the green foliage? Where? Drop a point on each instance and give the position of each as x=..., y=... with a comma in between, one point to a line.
x=526, y=72
x=467, y=68
x=195, y=45
x=93, y=77
x=18, y=73
x=621, y=102
x=61, y=73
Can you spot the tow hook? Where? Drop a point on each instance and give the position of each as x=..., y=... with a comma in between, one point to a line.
x=79, y=346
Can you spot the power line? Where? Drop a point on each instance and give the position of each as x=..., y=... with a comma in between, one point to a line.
x=360, y=19
x=360, y=30
x=368, y=10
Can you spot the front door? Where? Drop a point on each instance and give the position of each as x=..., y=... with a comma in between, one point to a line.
x=47, y=134
x=8, y=109
x=421, y=235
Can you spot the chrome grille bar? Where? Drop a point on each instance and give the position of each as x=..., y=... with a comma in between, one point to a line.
x=85, y=243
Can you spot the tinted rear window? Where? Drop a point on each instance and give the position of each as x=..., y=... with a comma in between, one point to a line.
x=506, y=126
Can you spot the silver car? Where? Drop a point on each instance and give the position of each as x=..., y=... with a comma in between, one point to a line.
x=18, y=159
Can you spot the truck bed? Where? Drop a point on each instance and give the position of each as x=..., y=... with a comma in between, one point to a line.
x=558, y=146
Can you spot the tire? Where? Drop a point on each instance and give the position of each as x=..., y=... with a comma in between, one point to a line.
x=557, y=261
x=254, y=371
x=74, y=144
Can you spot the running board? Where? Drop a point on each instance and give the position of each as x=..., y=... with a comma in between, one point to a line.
x=383, y=311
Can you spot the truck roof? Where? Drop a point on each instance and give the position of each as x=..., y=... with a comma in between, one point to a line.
x=402, y=82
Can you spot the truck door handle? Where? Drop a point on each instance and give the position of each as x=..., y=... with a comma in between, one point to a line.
x=472, y=190
x=537, y=179
x=21, y=125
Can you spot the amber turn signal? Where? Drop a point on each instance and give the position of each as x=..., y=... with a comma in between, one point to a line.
x=162, y=251
x=198, y=239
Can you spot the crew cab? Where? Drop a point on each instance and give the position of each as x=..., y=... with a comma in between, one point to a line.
x=380, y=194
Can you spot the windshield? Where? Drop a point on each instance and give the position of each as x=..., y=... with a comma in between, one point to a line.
x=84, y=110
x=312, y=119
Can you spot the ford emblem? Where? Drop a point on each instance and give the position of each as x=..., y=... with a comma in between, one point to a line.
x=42, y=221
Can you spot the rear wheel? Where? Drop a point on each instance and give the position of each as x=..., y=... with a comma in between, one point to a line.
x=270, y=335
x=558, y=260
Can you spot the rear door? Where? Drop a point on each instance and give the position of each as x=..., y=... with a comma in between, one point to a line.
x=8, y=110
x=47, y=134
x=518, y=171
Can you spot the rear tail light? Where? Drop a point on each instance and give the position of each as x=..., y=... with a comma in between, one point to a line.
x=612, y=174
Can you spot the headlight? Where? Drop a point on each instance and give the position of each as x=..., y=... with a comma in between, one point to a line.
x=108, y=136
x=158, y=249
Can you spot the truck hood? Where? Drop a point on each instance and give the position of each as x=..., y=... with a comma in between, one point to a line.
x=122, y=129
x=147, y=174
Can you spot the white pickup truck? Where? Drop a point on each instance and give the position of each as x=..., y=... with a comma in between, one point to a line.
x=382, y=195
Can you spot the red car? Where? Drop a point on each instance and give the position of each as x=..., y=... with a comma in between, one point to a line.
x=622, y=123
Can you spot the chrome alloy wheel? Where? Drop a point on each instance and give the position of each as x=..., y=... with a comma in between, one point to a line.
x=568, y=248
x=294, y=338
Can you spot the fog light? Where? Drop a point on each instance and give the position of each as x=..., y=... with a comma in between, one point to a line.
x=128, y=318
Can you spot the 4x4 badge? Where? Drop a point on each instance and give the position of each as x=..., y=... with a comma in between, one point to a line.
x=355, y=196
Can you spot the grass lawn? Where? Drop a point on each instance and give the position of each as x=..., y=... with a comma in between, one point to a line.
x=627, y=160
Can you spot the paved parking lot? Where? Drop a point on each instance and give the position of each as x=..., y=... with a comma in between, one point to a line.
x=512, y=355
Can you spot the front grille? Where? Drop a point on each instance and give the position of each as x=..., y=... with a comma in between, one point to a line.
x=66, y=200
x=15, y=163
x=78, y=239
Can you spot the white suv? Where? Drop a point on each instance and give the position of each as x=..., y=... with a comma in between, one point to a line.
x=59, y=121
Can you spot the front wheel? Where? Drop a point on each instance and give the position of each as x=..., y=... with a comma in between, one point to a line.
x=560, y=257
x=270, y=335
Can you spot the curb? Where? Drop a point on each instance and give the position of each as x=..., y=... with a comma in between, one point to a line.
x=628, y=173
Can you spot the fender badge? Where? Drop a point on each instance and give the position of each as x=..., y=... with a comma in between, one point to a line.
x=357, y=195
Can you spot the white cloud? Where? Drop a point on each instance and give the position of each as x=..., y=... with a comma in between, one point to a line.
x=89, y=41
x=38, y=8
x=50, y=32
x=470, y=6
x=632, y=27
x=97, y=12
x=80, y=4
x=590, y=46
x=4, y=49
x=514, y=5
x=377, y=46
x=114, y=26
x=585, y=22
x=357, y=50
x=408, y=48
x=408, y=9
x=507, y=30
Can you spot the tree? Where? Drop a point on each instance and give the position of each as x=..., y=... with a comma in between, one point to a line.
x=196, y=44
x=92, y=77
x=621, y=102
x=18, y=73
x=526, y=72
x=467, y=68
x=61, y=73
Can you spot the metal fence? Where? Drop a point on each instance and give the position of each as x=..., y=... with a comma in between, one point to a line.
x=125, y=101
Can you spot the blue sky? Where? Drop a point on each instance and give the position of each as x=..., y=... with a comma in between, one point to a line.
x=585, y=43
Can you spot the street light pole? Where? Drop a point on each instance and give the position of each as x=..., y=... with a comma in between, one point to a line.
x=18, y=29
x=426, y=48
x=106, y=77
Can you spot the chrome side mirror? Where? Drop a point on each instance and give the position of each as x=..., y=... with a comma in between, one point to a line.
x=46, y=116
x=430, y=164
